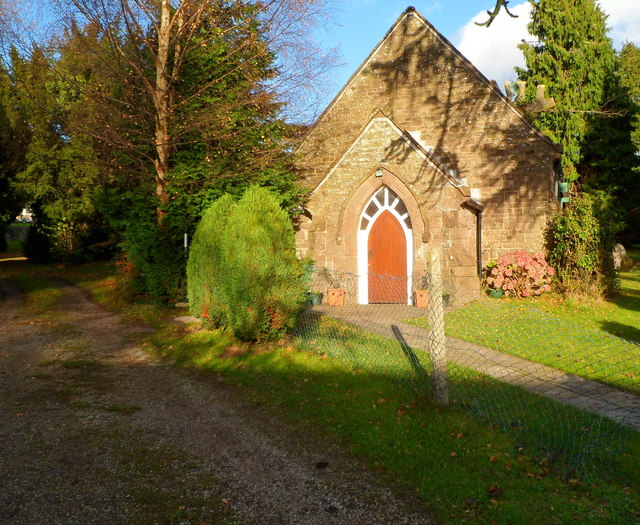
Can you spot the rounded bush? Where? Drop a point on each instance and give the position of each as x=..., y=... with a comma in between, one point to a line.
x=242, y=272
x=520, y=274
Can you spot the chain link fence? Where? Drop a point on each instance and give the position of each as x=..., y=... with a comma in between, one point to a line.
x=567, y=394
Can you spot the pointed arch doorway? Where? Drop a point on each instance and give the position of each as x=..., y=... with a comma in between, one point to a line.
x=385, y=250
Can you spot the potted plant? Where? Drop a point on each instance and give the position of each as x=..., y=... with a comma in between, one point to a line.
x=495, y=293
x=314, y=297
x=421, y=298
x=335, y=294
x=446, y=299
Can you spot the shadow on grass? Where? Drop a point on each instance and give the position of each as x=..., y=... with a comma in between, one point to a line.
x=369, y=399
x=563, y=437
x=629, y=297
x=419, y=371
x=630, y=333
x=40, y=293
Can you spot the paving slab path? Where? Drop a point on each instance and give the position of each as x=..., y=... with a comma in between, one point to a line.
x=591, y=396
x=93, y=430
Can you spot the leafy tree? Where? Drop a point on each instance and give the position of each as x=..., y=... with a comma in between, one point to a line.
x=159, y=109
x=171, y=138
x=225, y=135
x=593, y=120
x=629, y=73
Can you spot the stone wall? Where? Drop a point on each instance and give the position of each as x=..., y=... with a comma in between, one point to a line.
x=466, y=140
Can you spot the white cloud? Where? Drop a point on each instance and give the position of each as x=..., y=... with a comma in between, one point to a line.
x=624, y=20
x=494, y=50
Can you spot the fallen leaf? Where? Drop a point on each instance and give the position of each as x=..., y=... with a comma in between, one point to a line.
x=493, y=459
x=495, y=492
x=454, y=454
x=573, y=482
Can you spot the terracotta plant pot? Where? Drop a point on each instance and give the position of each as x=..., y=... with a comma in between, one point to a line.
x=421, y=298
x=335, y=297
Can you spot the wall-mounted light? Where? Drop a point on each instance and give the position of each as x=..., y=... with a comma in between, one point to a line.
x=379, y=172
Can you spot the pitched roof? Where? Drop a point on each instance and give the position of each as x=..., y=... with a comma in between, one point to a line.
x=492, y=86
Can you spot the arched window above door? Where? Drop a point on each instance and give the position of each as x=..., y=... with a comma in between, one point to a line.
x=384, y=199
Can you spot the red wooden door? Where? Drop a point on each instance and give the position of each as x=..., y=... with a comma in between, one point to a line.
x=387, y=261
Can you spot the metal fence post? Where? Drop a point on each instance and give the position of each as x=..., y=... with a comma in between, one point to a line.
x=435, y=316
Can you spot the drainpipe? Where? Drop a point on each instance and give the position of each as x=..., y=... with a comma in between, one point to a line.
x=477, y=208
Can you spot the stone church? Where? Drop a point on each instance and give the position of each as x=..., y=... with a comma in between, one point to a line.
x=420, y=158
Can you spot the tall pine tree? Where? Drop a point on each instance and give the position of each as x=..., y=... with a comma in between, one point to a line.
x=14, y=135
x=629, y=78
x=575, y=59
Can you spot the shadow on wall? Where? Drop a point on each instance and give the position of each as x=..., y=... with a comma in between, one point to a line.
x=468, y=127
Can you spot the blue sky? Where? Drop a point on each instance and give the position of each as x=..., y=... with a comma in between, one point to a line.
x=363, y=23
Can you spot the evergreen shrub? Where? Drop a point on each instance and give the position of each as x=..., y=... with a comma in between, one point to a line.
x=580, y=242
x=37, y=246
x=242, y=272
x=3, y=237
x=155, y=255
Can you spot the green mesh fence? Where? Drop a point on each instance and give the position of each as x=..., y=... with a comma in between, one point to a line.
x=567, y=394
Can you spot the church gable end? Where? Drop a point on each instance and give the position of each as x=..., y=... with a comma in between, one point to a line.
x=417, y=112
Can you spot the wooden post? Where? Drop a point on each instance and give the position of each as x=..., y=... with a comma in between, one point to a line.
x=435, y=316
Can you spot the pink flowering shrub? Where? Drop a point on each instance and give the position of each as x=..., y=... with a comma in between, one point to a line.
x=520, y=274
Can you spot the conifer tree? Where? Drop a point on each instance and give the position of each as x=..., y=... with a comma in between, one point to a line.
x=629, y=77
x=575, y=59
x=14, y=135
x=59, y=171
x=629, y=73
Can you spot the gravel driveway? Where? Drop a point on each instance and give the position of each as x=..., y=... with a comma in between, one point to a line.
x=95, y=431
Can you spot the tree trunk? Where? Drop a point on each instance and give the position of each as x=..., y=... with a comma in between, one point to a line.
x=161, y=100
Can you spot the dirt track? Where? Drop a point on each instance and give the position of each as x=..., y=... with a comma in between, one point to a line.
x=95, y=431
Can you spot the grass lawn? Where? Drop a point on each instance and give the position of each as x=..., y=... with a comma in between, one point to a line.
x=581, y=337
x=619, y=316
x=451, y=459
x=465, y=470
x=573, y=438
